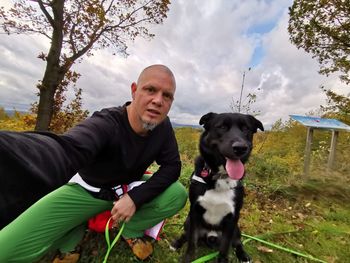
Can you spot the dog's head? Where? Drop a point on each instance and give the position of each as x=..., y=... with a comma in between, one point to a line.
x=227, y=141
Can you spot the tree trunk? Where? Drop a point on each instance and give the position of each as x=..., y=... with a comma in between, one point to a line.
x=54, y=73
x=45, y=109
x=51, y=80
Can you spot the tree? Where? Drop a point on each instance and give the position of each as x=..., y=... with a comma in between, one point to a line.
x=65, y=115
x=76, y=28
x=322, y=28
x=246, y=107
x=338, y=106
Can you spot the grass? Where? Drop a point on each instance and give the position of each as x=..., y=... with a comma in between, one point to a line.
x=311, y=217
x=306, y=215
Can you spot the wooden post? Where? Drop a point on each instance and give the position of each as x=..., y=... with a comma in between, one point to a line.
x=310, y=132
x=331, y=157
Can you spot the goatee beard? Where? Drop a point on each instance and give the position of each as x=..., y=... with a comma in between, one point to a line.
x=148, y=125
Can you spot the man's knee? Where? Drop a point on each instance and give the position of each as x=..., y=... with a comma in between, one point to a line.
x=177, y=195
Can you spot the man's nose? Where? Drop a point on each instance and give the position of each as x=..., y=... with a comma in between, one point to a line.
x=158, y=98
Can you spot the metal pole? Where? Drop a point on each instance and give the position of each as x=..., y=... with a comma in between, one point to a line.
x=240, y=97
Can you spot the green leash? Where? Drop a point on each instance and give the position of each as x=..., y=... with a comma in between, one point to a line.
x=211, y=255
x=206, y=258
x=215, y=254
x=109, y=245
x=283, y=248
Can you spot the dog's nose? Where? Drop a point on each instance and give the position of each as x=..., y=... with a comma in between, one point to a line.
x=239, y=148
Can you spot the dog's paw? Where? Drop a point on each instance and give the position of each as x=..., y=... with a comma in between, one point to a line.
x=178, y=243
x=242, y=256
x=172, y=248
x=246, y=259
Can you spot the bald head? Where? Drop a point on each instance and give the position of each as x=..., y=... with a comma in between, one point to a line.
x=156, y=68
x=152, y=95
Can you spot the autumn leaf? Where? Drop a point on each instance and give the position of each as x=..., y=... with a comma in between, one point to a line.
x=265, y=249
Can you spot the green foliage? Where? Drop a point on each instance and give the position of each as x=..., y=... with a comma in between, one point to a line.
x=278, y=153
x=189, y=138
x=267, y=167
x=338, y=106
x=322, y=28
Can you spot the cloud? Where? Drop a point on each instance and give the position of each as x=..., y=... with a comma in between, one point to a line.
x=208, y=45
x=289, y=79
x=20, y=71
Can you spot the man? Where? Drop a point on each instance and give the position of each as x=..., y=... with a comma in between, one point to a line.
x=114, y=147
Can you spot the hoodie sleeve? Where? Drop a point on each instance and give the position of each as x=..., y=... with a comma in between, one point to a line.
x=169, y=170
x=87, y=139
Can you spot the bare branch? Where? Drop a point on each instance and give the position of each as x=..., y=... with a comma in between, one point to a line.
x=47, y=15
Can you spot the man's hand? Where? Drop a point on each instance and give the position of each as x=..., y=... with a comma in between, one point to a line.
x=123, y=209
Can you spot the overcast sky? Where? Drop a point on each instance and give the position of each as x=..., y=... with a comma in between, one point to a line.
x=208, y=44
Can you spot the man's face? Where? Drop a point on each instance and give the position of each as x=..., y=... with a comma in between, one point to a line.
x=153, y=96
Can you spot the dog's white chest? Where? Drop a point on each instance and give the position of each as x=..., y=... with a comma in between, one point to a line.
x=217, y=204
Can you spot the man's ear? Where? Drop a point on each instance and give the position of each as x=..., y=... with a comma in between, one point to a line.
x=133, y=90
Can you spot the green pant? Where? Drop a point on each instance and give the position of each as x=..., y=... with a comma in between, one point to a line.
x=58, y=221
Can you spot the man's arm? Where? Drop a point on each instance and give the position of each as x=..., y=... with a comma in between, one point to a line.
x=168, y=172
x=86, y=139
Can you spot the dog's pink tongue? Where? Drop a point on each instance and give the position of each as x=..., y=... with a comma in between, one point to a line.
x=235, y=169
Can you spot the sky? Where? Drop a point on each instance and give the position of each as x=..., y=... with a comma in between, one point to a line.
x=209, y=45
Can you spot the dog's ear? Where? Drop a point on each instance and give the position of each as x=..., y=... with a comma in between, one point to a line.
x=255, y=124
x=206, y=118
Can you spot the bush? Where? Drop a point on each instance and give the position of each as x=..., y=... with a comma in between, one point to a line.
x=17, y=122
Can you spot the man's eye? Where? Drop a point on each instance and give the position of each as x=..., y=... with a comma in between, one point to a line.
x=150, y=89
x=168, y=96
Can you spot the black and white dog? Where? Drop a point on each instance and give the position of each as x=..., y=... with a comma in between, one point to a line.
x=216, y=189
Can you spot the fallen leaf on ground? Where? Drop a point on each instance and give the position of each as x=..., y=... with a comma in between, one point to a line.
x=265, y=249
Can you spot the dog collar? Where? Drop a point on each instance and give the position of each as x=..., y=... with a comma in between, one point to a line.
x=205, y=172
x=198, y=179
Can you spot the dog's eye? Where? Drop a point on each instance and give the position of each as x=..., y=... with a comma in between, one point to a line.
x=245, y=129
x=222, y=127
